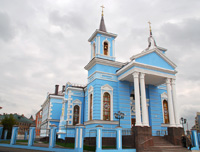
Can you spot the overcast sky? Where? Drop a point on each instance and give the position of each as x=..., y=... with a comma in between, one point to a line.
x=45, y=42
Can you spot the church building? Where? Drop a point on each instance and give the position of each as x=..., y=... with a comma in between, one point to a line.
x=144, y=89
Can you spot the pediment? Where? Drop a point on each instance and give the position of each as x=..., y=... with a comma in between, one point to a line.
x=164, y=95
x=106, y=87
x=154, y=57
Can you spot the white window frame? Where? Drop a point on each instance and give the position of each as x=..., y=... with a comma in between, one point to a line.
x=90, y=91
x=107, y=88
x=108, y=47
x=78, y=103
x=164, y=97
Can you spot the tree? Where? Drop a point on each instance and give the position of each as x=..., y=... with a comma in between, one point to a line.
x=8, y=122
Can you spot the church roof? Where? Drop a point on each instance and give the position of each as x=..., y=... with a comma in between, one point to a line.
x=102, y=26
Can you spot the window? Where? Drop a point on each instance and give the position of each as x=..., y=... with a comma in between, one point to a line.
x=106, y=106
x=105, y=48
x=91, y=107
x=76, y=115
x=93, y=49
x=166, y=113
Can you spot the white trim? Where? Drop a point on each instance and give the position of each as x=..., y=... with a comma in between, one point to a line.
x=101, y=122
x=90, y=92
x=146, y=71
x=113, y=45
x=134, y=63
x=93, y=49
x=80, y=141
x=95, y=61
x=99, y=138
x=56, y=96
x=98, y=44
x=78, y=103
x=107, y=88
x=74, y=88
x=101, y=32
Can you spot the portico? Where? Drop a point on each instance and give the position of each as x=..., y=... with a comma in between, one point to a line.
x=143, y=75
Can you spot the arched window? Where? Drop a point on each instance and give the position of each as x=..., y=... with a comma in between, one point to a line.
x=106, y=106
x=91, y=107
x=76, y=115
x=93, y=49
x=105, y=48
x=165, y=112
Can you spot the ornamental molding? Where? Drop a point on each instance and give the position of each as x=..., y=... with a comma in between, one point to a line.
x=101, y=32
x=164, y=96
x=76, y=101
x=103, y=62
x=90, y=89
x=106, y=87
x=148, y=67
x=101, y=122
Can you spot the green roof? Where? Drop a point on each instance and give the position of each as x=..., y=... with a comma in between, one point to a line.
x=18, y=118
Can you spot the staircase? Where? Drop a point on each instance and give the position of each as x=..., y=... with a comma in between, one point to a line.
x=162, y=145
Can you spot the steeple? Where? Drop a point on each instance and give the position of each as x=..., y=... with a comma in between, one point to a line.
x=102, y=26
x=151, y=40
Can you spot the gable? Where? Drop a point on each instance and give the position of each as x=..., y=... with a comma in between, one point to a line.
x=155, y=60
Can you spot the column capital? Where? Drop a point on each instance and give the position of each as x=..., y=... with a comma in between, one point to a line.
x=135, y=74
x=168, y=80
x=173, y=81
x=142, y=75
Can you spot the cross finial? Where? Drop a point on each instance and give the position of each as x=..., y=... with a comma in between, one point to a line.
x=102, y=9
x=150, y=28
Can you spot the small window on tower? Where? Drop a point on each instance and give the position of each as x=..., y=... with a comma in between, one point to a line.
x=105, y=48
x=93, y=49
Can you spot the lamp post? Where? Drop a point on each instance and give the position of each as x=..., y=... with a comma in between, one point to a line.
x=119, y=116
x=183, y=121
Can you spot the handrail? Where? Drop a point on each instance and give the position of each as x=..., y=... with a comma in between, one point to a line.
x=145, y=141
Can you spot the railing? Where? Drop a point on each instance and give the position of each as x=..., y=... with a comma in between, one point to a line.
x=126, y=131
x=146, y=141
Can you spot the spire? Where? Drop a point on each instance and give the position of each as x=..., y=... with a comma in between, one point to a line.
x=151, y=40
x=102, y=26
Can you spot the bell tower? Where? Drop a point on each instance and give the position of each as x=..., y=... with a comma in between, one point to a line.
x=102, y=42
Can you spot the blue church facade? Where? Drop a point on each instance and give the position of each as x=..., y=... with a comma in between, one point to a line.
x=143, y=89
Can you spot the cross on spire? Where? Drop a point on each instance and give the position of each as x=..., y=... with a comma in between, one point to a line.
x=150, y=28
x=102, y=9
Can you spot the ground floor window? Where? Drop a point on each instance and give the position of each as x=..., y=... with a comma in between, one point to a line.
x=76, y=115
x=166, y=112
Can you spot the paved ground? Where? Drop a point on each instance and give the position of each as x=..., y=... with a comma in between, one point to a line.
x=7, y=149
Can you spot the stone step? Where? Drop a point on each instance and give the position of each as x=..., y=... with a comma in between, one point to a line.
x=162, y=145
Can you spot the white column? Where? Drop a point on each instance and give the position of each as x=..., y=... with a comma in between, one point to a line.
x=176, y=112
x=137, y=99
x=143, y=100
x=170, y=104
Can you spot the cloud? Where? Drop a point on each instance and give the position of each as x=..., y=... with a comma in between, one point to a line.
x=7, y=31
x=44, y=43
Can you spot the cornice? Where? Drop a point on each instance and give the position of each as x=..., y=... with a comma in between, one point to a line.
x=101, y=32
x=103, y=62
x=134, y=63
x=101, y=122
